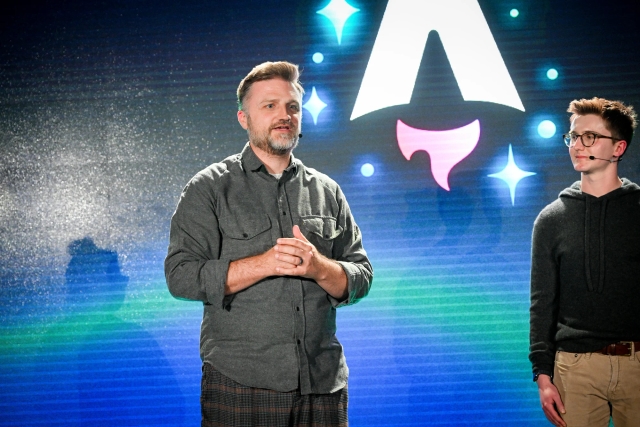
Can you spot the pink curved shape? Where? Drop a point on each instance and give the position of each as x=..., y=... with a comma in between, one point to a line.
x=446, y=148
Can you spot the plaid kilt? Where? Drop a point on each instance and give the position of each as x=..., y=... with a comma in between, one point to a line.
x=227, y=403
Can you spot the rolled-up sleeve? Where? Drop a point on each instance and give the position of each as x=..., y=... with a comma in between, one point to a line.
x=193, y=269
x=349, y=252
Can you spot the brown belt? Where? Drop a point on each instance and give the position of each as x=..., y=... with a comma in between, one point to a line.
x=622, y=348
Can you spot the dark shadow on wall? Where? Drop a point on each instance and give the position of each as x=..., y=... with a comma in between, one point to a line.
x=99, y=369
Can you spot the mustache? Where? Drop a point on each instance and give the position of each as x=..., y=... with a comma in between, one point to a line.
x=282, y=123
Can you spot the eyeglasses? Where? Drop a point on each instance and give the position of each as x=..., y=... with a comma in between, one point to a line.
x=587, y=138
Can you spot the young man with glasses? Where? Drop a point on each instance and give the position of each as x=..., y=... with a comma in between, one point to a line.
x=585, y=279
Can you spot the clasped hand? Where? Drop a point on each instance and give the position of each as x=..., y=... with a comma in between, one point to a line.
x=296, y=256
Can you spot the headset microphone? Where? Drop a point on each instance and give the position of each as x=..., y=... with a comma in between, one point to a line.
x=299, y=135
x=606, y=160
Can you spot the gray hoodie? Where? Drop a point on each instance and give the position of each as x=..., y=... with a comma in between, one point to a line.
x=585, y=273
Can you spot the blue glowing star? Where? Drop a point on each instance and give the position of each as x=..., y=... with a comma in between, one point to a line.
x=546, y=129
x=511, y=174
x=314, y=105
x=338, y=11
x=367, y=170
x=514, y=13
x=318, y=57
x=552, y=74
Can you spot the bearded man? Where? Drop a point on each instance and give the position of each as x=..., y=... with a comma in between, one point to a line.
x=271, y=249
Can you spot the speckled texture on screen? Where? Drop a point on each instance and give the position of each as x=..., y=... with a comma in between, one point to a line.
x=108, y=108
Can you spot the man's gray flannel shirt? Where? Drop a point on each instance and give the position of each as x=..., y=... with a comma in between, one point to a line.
x=278, y=334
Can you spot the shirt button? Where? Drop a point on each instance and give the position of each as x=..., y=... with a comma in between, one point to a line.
x=297, y=308
x=298, y=341
x=284, y=213
x=245, y=235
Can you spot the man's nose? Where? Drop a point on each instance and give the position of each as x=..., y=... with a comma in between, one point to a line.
x=283, y=113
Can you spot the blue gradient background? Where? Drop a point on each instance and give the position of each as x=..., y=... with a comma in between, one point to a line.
x=108, y=108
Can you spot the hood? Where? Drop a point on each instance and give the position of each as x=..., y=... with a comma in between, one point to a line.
x=575, y=191
x=595, y=213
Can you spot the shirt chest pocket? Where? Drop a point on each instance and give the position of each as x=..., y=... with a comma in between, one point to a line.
x=321, y=232
x=244, y=235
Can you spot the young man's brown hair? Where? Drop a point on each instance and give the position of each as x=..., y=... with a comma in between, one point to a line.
x=620, y=119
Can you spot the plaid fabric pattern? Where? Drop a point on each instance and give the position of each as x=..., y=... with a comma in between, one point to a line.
x=227, y=403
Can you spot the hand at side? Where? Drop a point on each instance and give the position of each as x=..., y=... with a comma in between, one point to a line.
x=550, y=401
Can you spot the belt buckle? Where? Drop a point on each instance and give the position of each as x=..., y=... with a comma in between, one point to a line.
x=629, y=345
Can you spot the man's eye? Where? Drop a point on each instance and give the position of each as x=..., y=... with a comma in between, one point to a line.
x=295, y=108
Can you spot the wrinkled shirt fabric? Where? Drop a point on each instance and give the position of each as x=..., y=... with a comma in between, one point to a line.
x=279, y=333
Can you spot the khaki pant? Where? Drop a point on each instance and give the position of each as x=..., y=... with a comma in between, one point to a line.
x=595, y=387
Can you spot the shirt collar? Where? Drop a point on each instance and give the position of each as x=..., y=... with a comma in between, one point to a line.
x=253, y=163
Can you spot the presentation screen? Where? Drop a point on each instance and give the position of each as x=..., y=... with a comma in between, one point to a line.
x=442, y=122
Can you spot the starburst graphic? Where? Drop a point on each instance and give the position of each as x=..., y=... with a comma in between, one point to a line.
x=403, y=32
x=314, y=105
x=511, y=174
x=338, y=11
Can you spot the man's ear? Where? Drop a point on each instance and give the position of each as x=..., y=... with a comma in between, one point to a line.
x=620, y=148
x=242, y=119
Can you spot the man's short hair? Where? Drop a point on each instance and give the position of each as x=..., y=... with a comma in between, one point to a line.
x=266, y=71
x=620, y=119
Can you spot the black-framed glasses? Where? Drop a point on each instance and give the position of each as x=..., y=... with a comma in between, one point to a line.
x=587, y=138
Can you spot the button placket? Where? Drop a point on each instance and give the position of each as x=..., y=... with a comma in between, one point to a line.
x=284, y=211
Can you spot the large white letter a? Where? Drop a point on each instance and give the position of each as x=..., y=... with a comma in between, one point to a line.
x=397, y=53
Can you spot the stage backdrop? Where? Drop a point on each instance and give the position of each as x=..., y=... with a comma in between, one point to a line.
x=441, y=120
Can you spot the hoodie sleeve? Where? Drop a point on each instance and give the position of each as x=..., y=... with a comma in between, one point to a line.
x=544, y=294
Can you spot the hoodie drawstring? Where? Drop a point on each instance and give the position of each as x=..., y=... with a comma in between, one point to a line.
x=603, y=211
x=587, y=246
x=587, y=263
